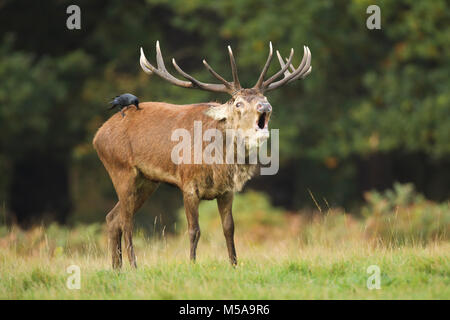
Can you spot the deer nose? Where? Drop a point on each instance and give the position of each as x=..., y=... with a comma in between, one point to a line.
x=264, y=107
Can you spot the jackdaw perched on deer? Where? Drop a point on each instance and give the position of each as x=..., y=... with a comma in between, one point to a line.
x=138, y=150
x=124, y=100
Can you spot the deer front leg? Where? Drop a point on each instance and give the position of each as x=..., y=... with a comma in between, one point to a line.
x=191, y=203
x=225, y=204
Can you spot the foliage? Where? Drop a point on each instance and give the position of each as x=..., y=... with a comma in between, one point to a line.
x=395, y=217
x=40, y=101
x=402, y=216
x=34, y=263
x=315, y=255
x=253, y=212
x=395, y=90
x=372, y=93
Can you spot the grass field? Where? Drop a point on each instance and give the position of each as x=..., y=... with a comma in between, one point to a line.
x=279, y=271
x=281, y=256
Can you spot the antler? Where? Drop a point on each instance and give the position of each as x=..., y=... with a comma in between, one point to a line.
x=161, y=71
x=231, y=87
x=301, y=72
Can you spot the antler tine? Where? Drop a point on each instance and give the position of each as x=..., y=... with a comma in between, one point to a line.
x=279, y=73
x=306, y=69
x=162, y=72
x=143, y=62
x=303, y=76
x=159, y=58
x=199, y=84
x=302, y=71
x=150, y=69
x=291, y=66
x=300, y=75
x=236, y=83
x=265, y=68
x=280, y=59
x=218, y=76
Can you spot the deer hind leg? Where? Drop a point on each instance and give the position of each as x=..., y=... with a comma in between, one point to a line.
x=115, y=236
x=225, y=203
x=191, y=203
x=132, y=190
x=132, y=201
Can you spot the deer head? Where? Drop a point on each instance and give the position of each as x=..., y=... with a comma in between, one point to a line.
x=248, y=109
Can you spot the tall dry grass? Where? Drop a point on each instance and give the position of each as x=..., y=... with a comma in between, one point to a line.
x=318, y=254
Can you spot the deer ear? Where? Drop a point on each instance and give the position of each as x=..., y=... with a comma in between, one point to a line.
x=217, y=113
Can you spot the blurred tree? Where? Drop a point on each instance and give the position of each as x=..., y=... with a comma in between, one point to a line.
x=374, y=110
x=376, y=102
x=41, y=122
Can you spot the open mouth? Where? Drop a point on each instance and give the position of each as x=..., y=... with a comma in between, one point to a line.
x=262, y=120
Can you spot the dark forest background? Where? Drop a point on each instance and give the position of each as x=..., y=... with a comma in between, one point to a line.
x=374, y=110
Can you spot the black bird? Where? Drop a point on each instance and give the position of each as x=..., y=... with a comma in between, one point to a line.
x=123, y=101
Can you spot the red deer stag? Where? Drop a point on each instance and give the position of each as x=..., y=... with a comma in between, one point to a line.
x=136, y=149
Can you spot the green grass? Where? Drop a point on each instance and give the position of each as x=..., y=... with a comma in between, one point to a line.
x=282, y=269
x=315, y=255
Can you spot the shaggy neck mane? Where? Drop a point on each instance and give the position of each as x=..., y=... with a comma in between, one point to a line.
x=237, y=174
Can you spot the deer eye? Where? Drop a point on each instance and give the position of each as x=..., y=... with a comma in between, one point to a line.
x=238, y=105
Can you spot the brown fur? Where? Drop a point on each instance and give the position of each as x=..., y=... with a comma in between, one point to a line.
x=136, y=152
